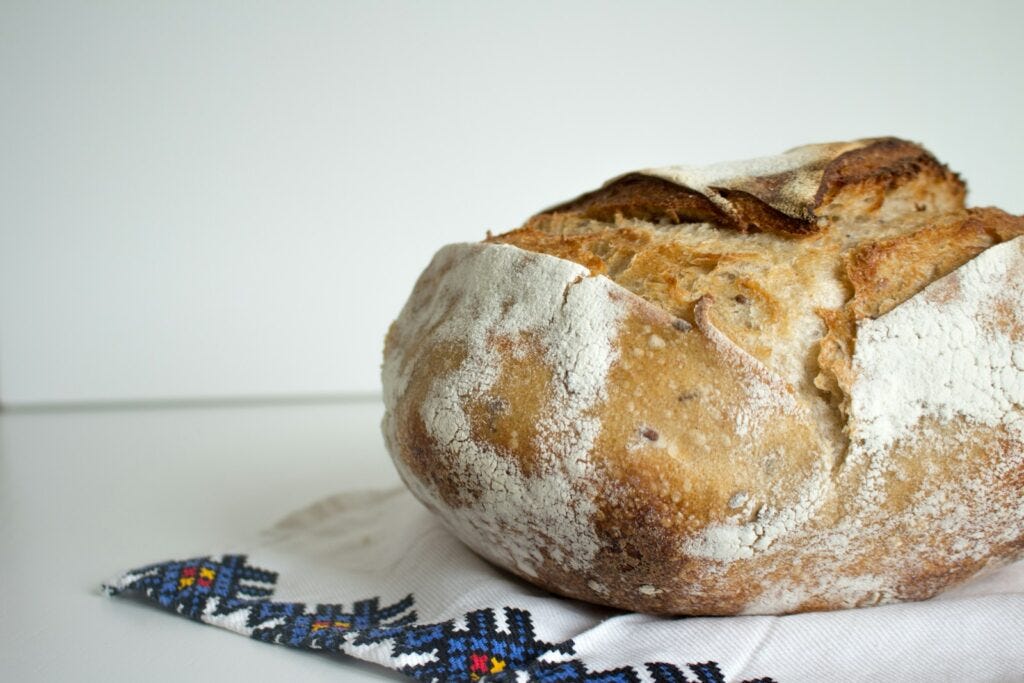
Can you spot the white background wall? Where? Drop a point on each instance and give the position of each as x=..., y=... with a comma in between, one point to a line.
x=233, y=198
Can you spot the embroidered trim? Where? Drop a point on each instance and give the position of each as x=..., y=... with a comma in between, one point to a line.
x=484, y=645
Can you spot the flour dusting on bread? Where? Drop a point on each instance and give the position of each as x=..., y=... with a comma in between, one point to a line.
x=948, y=351
x=486, y=293
x=789, y=384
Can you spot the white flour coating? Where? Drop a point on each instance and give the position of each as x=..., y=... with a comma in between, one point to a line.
x=486, y=292
x=953, y=351
x=736, y=541
x=941, y=354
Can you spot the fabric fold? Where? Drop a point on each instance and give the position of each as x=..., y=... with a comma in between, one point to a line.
x=375, y=576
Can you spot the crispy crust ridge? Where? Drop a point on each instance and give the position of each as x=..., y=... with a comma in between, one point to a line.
x=759, y=197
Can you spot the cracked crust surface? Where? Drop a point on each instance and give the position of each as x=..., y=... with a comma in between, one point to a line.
x=652, y=397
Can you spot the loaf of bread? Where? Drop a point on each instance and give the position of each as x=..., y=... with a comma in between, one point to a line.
x=788, y=384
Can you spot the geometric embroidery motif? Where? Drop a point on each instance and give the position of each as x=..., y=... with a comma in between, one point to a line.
x=481, y=646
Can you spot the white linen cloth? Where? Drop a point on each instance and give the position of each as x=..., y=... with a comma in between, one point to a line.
x=374, y=575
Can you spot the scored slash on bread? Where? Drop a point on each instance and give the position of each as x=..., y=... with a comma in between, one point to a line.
x=788, y=384
x=788, y=194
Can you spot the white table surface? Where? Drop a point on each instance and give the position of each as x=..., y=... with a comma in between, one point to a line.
x=85, y=494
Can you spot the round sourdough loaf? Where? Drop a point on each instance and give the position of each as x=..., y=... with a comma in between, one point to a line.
x=789, y=384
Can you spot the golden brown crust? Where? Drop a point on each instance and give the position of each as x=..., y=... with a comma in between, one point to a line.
x=887, y=272
x=646, y=198
x=762, y=197
x=711, y=456
x=884, y=163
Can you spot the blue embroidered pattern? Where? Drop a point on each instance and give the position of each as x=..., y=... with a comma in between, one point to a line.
x=479, y=647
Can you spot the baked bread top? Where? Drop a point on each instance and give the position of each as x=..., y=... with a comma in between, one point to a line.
x=788, y=384
x=792, y=193
x=792, y=249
